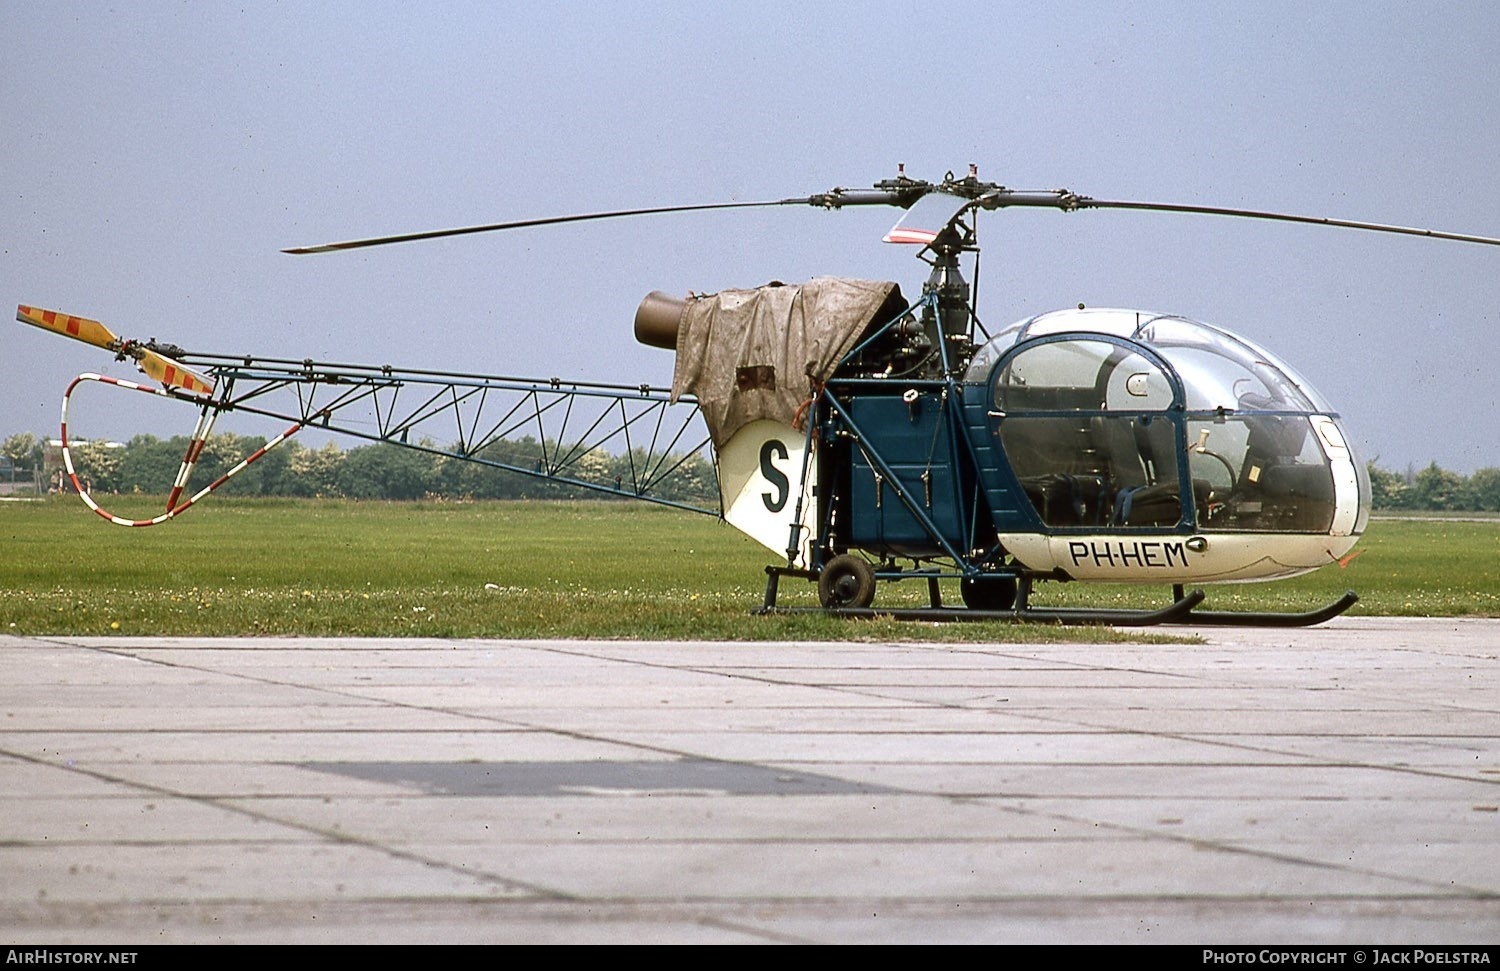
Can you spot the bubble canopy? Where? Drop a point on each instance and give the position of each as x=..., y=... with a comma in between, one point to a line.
x=1129, y=420
x=1217, y=369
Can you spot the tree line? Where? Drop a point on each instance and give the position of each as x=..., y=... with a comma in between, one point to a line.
x=1435, y=489
x=383, y=471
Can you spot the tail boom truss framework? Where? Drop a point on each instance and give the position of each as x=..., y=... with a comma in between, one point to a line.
x=555, y=425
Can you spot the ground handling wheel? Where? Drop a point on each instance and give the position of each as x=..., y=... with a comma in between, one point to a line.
x=988, y=593
x=846, y=582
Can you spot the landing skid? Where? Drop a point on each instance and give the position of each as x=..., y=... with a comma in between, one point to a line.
x=1183, y=609
x=1023, y=612
x=1235, y=618
x=1176, y=613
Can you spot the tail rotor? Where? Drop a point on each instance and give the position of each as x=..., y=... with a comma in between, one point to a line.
x=156, y=361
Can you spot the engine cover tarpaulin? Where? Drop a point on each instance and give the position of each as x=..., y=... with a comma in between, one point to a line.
x=753, y=354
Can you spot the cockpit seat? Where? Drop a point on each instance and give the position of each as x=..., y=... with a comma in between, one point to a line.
x=1156, y=505
x=1068, y=500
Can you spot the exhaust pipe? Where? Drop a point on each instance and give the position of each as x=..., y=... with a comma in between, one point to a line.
x=657, y=320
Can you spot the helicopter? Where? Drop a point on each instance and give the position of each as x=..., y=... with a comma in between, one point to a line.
x=865, y=438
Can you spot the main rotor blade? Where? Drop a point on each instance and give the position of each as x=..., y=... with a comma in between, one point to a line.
x=545, y=221
x=78, y=328
x=1087, y=203
x=1069, y=201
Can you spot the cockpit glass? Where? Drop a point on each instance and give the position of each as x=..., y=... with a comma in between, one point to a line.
x=1219, y=370
x=1097, y=436
x=1081, y=373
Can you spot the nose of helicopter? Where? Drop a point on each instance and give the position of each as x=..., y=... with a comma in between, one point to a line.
x=1351, y=481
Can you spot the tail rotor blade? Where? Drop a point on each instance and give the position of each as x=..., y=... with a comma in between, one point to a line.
x=172, y=373
x=78, y=328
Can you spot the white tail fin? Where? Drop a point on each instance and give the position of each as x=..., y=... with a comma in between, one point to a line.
x=762, y=485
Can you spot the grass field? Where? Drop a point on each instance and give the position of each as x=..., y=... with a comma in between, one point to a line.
x=585, y=569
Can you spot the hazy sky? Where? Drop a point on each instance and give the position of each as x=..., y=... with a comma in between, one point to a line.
x=157, y=156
